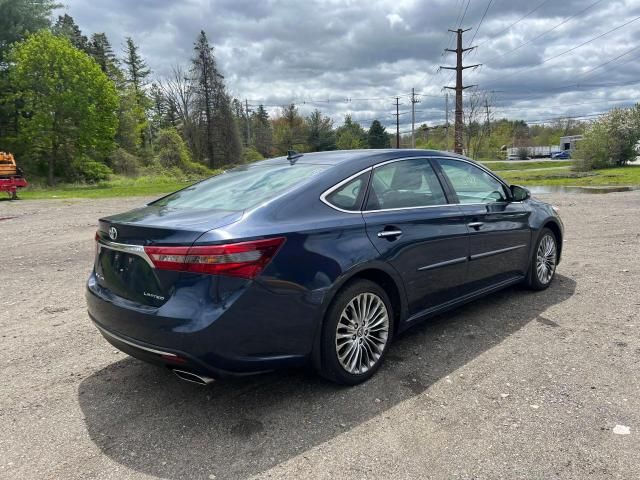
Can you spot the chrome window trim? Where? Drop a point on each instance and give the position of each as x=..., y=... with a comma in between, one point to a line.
x=126, y=248
x=326, y=193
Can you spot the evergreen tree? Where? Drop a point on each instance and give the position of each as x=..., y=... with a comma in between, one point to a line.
x=136, y=68
x=220, y=129
x=66, y=27
x=207, y=81
x=262, y=131
x=350, y=135
x=19, y=18
x=377, y=137
x=320, y=134
x=136, y=71
x=102, y=52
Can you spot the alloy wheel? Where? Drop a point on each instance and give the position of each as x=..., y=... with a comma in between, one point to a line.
x=546, y=259
x=362, y=333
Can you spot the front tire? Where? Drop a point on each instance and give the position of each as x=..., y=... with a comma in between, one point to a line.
x=356, y=333
x=544, y=261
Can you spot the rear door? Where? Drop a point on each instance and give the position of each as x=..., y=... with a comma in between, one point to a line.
x=499, y=232
x=413, y=225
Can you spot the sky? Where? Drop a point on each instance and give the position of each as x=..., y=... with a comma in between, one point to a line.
x=540, y=59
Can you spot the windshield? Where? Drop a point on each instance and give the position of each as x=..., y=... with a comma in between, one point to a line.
x=241, y=188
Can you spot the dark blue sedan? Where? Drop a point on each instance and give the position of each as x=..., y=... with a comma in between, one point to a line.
x=316, y=259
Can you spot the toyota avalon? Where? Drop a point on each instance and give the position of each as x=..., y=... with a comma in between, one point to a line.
x=317, y=259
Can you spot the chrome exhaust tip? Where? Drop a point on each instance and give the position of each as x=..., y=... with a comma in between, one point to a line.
x=192, y=377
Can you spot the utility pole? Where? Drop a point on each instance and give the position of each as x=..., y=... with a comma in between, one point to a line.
x=413, y=117
x=246, y=106
x=486, y=106
x=458, y=145
x=446, y=113
x=397, y=122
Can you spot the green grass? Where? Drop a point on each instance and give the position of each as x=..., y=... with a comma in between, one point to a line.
x=515, y=165
x=116, y=187
x=629, y=175
x=158, y=186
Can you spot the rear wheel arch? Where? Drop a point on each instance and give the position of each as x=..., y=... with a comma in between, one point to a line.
x=388, y=281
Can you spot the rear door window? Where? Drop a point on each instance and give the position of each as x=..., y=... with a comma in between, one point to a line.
x=405, y=184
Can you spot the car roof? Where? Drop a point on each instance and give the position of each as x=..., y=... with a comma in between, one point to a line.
x=336, y=157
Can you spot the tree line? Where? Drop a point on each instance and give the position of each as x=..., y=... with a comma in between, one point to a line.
x=74, y=109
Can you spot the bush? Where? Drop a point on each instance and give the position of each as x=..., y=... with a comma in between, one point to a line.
x=611, y=140
x=122, y=162
x=250, y=155
x=172, y=153
x=88, y=170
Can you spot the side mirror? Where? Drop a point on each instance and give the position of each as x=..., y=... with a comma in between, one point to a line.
x=519, y=194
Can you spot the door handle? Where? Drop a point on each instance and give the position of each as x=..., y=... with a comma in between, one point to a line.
x=389, y=233
x=475, y=225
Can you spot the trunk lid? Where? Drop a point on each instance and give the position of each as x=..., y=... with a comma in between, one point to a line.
x=121, y=265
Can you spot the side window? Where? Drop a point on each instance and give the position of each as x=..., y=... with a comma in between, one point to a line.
x=405, y=184
x=472, y=184
x=350, y=195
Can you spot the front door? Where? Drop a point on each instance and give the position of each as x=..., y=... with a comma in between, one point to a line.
x=416, y=228
x=499, y=233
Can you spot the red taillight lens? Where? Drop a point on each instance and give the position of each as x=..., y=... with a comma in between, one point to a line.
x=246, y=259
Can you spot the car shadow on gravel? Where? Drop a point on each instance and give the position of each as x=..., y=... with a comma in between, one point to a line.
x=146, y=419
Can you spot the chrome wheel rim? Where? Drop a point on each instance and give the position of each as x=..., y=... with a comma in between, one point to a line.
x=362, y=333
x=546, y=259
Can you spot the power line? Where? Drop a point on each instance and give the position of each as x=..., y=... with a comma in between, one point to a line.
x=608, y=62
x=545, y=32
x=482, y=20
x=572, y=49
x=516, y=22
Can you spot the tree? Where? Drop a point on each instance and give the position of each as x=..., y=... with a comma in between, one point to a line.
x=66, y=27
x=611, y=140
x=136, y=68
x=320, y=134
x=289, y=131
x=179, y=92
x=102, y=52
x=136, y=80
x=350, y=135
x=207, y=78
x=69, y=104
x=377, y=137
x=262, y=131
x=20, y=18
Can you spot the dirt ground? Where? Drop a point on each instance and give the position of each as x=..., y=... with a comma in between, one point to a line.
x=518, y=385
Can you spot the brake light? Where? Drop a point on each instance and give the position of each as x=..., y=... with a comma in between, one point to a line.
x=246, y=259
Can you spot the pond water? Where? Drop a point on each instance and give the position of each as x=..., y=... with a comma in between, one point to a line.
x=566, y=189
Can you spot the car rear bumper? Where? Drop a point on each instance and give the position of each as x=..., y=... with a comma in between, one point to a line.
x=245, y=337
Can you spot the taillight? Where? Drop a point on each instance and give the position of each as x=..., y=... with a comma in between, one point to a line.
x=246, y=259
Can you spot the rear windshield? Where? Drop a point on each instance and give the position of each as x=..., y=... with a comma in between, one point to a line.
x=241, y=188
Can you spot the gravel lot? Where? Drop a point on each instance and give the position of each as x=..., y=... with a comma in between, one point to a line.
x=518, y=385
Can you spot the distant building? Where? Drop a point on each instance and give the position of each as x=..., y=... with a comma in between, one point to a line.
x=569, y=142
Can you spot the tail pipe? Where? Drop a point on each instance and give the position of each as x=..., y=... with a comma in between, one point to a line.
x=192, y=377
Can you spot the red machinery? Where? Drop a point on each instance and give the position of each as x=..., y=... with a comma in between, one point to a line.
x=11, y=177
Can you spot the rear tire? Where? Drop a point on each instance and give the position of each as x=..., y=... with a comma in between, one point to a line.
x=544, y=261
x=356, y=334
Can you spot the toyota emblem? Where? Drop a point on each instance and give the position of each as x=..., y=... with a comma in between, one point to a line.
x=113, y=233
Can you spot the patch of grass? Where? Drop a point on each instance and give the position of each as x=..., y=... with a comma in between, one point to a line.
x=116, y=187
x=515, y=165
x=629, y=175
